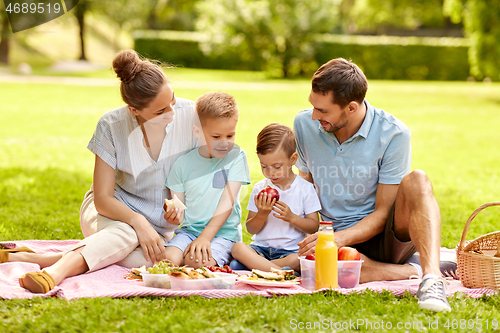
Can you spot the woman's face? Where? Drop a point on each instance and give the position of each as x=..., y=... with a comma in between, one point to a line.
x=160, y=110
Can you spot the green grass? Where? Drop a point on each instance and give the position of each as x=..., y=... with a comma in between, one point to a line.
x=246, y=314
x=45, y=170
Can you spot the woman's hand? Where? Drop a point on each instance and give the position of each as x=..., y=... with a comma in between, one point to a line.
x=150, y=241
x=199, y=250
x=107, y=205
x=174, y=216
x=307, y=245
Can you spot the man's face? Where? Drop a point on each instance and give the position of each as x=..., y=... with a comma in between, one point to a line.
x=331, y=116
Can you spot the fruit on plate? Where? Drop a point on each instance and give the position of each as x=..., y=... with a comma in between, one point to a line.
x=225, y=269
x=311, y=256
x=271, y=192
x=348, y=279
x=348, y=253
x=174, y=203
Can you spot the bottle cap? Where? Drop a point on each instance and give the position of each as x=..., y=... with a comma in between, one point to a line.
x=325, y=222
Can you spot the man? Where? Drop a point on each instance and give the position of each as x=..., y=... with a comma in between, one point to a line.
x=359, y=158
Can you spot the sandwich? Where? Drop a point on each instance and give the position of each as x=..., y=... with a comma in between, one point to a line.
x=174, y=203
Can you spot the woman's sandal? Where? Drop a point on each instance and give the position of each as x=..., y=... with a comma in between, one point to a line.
x=4, y=253
x=37, y=282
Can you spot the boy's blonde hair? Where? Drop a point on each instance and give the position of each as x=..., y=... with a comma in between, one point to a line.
x=215, y=105
x=276, y=136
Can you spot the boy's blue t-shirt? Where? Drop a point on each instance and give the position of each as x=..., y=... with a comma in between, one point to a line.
x=202, y=180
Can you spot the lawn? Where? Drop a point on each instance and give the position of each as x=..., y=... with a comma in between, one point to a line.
x=45, y=169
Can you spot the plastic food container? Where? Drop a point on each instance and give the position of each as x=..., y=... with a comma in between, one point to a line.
x=156, y=280
x=221, y=281
x=307, y=273
x=348, y=273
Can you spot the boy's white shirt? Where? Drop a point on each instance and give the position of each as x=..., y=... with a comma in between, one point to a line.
x=302, y=199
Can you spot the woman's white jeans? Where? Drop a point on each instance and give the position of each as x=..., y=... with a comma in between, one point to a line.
x=108, y=241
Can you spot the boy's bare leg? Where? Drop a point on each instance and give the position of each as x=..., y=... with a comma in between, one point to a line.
x=291, y=260
x=248, y=257
x=175, y=255
x=197, y=264
x=43, y=260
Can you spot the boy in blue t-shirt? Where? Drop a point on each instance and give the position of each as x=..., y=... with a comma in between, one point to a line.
x=208, y=181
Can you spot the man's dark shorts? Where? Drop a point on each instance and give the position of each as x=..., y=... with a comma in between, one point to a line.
x=385, y=247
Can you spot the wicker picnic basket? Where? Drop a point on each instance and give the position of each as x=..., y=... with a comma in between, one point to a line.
x=477, y=270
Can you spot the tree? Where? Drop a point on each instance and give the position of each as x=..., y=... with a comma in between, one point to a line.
x=5, y=33
x=126, y=14
x=276, y=35
x=378, y=16
x=482, y=25
x=173, y=15
x=80, y=10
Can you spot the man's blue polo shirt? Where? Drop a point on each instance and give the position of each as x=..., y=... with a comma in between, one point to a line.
x=346, y=175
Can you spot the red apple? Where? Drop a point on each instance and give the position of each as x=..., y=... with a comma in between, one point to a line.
x=311, y=256
x=348, y=253
x=348, y=279
x=271, y=192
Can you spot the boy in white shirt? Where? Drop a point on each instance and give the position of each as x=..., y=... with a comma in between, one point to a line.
x=278, y=226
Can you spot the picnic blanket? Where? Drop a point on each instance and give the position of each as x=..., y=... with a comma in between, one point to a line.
x=110, y=282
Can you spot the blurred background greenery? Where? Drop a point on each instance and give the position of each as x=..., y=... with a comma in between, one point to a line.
x=389, y=39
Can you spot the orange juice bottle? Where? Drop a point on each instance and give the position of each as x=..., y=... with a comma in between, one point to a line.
x=326, y=257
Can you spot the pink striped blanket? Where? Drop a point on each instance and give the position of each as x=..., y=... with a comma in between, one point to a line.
x=110, y=282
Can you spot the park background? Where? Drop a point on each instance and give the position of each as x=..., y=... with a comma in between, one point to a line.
x=432, y=63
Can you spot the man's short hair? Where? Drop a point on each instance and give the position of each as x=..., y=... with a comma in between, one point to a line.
x=215, y=105
x=274, y=137
x=343, y=78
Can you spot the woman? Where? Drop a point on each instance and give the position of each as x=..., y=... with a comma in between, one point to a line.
x=134, y=148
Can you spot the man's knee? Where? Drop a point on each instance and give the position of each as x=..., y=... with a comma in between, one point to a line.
x=416, y=184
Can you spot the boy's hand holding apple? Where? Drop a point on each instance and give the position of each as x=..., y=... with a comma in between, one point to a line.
x=265, y=200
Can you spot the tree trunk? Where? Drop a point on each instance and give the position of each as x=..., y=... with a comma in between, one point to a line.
x=5, y=40
x=80, y=10
x=152, y=22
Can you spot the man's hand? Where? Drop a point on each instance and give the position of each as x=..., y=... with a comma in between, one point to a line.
x=199, y=250
x=174, y=216
x=307, y=245
x=150, y=241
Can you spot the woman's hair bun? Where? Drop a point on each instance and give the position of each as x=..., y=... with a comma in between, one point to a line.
x=127, y=65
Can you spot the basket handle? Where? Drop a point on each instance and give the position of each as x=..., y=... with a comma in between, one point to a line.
x=464, y=234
